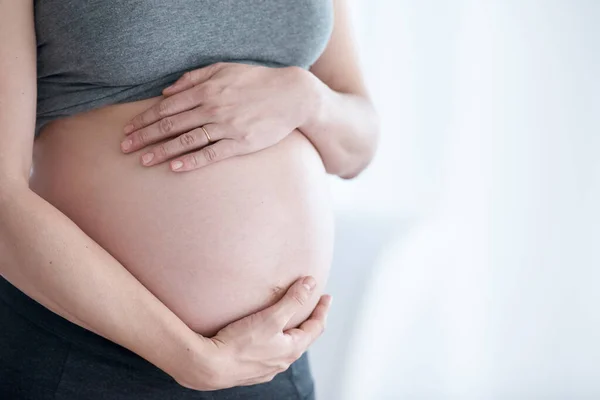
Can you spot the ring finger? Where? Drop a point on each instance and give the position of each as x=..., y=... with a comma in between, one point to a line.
x=165, y=128
x=193, y=140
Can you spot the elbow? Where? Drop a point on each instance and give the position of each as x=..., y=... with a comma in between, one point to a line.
x=357, y=161
x=358, y=167
x=353, y=164
x=350, y=175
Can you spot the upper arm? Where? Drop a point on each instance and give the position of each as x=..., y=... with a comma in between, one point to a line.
x=338, y=66
x=17, y=89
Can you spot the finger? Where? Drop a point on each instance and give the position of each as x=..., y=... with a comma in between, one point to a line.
x=165, y=108
x=192, y=140
x=165, y=128
x=280, y=313
x=192, y=78
x=312, y=328
x=322, y=308
x=216, y=152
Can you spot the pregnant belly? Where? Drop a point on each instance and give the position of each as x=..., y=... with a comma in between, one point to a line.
x=215, y=244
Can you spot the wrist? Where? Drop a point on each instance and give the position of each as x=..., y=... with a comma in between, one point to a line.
x=312, y=97
x=200, y=369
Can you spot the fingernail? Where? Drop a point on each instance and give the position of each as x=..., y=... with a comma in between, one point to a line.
x=128, y=128
x=309, y=283
x=126, y=144
x=146, y=158
x=175, y=165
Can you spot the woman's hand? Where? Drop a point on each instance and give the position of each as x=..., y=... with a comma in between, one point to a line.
x=256, y=348
x=243, y=108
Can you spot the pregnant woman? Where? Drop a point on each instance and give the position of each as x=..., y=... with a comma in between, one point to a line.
x=165, y=225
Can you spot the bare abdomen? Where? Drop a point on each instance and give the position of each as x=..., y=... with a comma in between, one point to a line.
x=214, y=244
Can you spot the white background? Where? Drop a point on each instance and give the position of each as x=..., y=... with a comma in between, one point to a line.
x=468, y=255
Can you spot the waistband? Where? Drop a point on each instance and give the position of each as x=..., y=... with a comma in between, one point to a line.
x=45, y=319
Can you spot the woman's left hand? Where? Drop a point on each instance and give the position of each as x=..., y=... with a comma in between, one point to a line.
x=243, y=108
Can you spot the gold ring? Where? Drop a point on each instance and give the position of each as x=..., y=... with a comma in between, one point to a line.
x=206, y=133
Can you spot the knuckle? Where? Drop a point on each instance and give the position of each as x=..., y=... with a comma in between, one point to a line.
x=210, y=154
x=193, y=160
x=299, y=297
x=163, y=109
x=165, y=125
x=194, y=76
x=161, y=151
x=146, y=118
x=143, y=137
x=212, y=111
x=187, y=139
x=277, y=292
x=137, y=121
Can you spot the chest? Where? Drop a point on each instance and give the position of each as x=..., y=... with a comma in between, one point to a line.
x=134, y=41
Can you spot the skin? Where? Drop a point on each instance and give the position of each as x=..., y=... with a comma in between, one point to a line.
x=234, y=234
x=247, y=108
x=58, y=272
x=47, y=256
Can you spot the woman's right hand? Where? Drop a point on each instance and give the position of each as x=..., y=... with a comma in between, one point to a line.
x=256, y=348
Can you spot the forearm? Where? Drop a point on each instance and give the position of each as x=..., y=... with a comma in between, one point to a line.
x=49, y=258
x=343, y=127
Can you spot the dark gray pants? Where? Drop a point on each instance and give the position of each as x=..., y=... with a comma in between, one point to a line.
x=44, y=356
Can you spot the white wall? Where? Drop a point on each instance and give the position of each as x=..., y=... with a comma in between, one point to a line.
x=491, y=148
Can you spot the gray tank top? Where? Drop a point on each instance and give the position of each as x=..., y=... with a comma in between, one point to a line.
x=92, y=53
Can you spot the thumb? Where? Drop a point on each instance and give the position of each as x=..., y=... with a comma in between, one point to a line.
x=294, y=299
